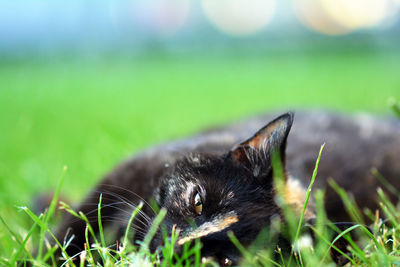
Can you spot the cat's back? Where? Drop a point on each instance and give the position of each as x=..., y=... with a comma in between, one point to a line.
x=355, y=144
x=359, y=136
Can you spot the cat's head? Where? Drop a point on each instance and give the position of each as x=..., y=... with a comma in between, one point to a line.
x=206, y=196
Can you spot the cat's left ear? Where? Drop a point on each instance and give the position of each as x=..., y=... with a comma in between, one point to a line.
x=255, y=153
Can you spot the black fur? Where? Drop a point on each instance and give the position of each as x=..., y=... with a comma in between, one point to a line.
x=237, y=179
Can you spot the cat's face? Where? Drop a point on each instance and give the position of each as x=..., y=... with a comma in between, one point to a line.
x=207, y=196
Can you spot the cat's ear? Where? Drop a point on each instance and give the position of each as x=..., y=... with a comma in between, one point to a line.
x=255, y=153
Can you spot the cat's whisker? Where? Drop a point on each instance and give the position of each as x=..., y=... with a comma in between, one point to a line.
x=125, y=201
x=138, y=229
x=111, y=197
x=122, y=201
x=131, y=192
x=140, y=215
x=132, y=205
x=126, y=212
x=133, y=226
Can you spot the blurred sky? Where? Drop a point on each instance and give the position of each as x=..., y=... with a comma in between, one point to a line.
x=50, y=26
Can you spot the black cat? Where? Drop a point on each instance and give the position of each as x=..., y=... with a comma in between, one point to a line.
x=221, y=184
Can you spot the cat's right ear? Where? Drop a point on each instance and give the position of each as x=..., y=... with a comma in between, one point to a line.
x=256, y=152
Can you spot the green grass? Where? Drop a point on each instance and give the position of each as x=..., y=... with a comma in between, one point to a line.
x=380, y=245
x=90, y=114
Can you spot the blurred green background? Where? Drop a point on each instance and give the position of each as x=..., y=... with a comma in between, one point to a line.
x=75, y=103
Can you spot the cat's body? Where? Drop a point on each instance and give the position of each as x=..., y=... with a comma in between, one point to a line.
x=234, y=182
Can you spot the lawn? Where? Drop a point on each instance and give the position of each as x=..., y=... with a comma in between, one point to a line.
x=89, y=114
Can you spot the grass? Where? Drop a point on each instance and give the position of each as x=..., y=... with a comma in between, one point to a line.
x=374, y=251
x=89, y=115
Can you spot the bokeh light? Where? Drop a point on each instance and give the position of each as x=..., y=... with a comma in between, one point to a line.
x=342, y=16
x=239, y=17
x=164, y=17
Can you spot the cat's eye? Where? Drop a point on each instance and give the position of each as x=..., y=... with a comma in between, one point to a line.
x=197, y=203
x=226, y=261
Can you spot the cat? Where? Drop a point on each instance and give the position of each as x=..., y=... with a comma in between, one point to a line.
x=222, y=179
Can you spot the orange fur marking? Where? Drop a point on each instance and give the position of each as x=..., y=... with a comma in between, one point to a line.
x=216, y=225
x=295, y=195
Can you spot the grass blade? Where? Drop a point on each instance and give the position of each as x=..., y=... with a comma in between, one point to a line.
x=14, y=236
x=41, y=224
x=385, y=182
x=153, y=229
x=308, y=194
x=394, y=105
x=133, y=215
x=50, y=212
x=103, y=242
x=350, y=205
x=240, y=247
x=23, y=244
